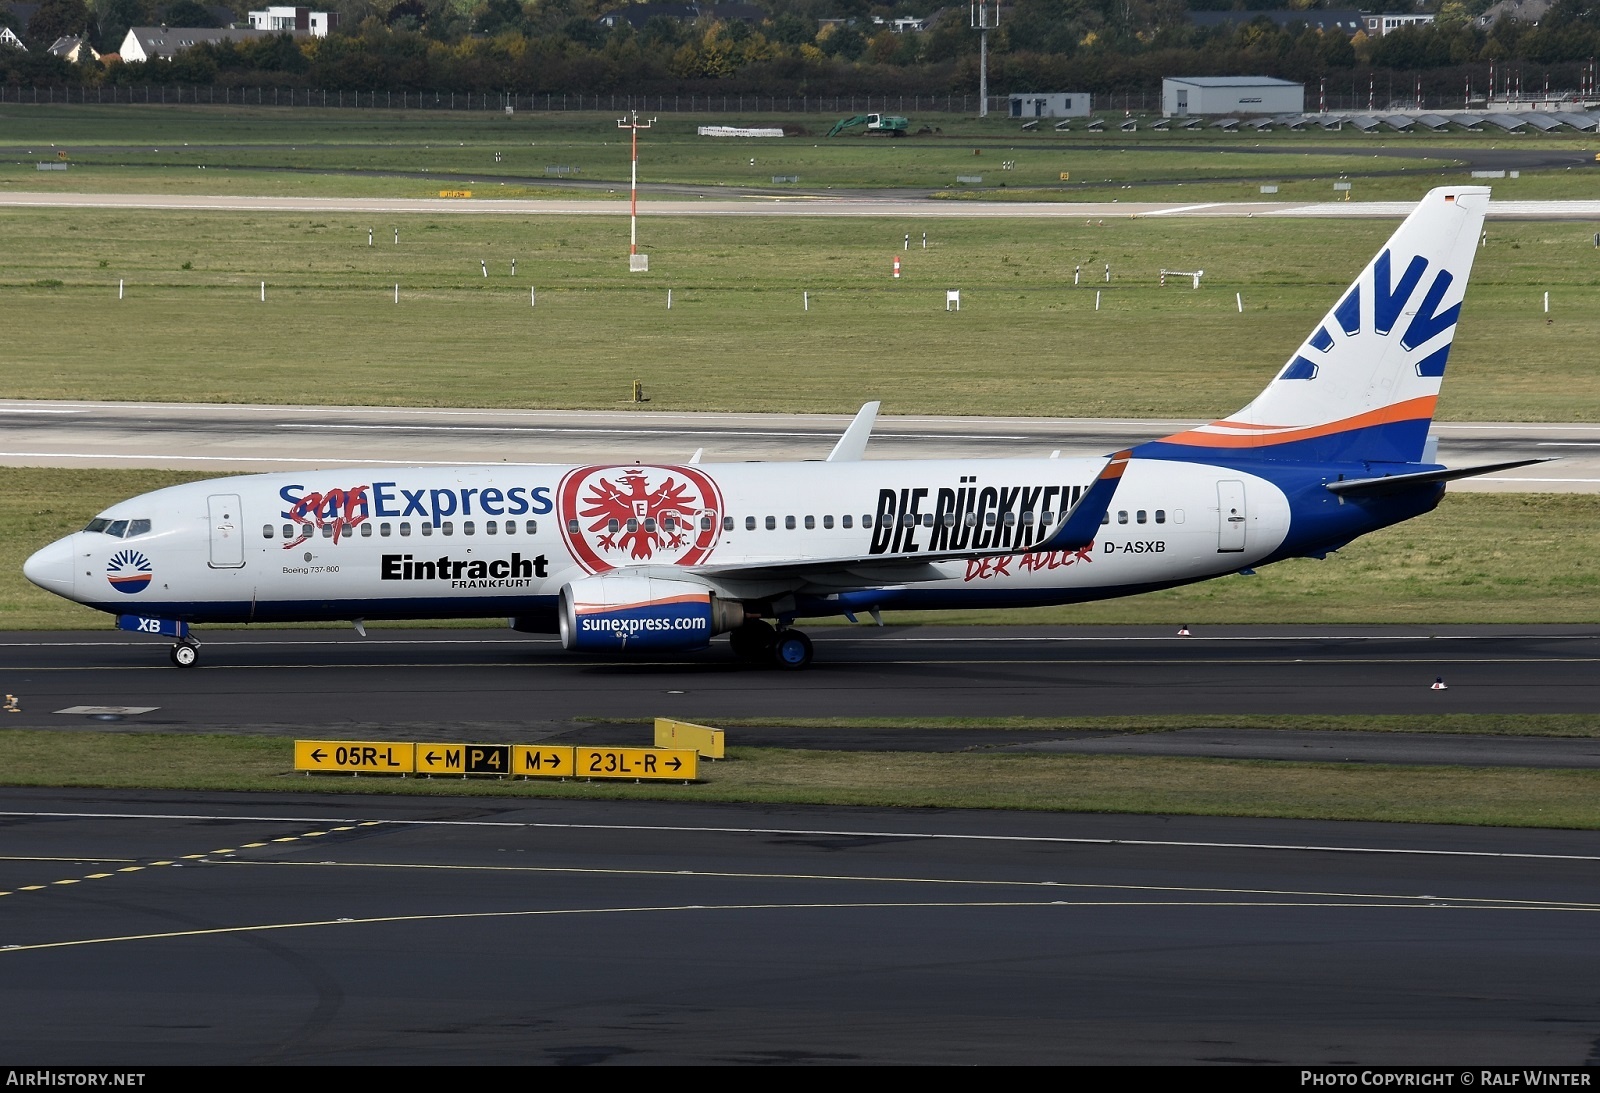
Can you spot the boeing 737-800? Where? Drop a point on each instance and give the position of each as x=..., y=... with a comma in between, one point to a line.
x=633, y=557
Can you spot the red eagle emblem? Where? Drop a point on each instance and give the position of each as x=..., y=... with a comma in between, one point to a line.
x=617, y=516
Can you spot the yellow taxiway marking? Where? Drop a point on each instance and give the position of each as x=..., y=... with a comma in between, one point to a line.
x=24, y=857
x=99, y=876
x=460, y=916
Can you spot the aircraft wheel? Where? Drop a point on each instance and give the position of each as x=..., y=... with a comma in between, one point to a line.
x=792, y=650
x=185, y=654
x=753, y=641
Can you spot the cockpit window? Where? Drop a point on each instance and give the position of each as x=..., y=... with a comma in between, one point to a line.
x=119, y=529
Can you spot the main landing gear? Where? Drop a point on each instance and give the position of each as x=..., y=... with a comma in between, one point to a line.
x=758, y=642
x=186, y=653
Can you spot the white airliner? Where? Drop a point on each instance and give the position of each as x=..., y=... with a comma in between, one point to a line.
x=632, y=557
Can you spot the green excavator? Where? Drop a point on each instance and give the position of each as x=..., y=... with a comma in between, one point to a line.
x=882, y=125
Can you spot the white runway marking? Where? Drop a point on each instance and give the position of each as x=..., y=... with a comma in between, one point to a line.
x=813, y=832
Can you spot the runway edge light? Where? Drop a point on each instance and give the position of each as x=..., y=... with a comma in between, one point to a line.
x=705, y=740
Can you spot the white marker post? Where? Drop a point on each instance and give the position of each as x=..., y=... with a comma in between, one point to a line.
x=1108, y=273
x=1547, y=303
x=397, y=293
x=119, y=288
x=485, y=265
x=1077, y=272
x=369, y=237
x=1238, y=298
x=1097, y=299
x=513, y=267
x=263, y=292
x=805, y=301
x=669, y=299
x=533, y=297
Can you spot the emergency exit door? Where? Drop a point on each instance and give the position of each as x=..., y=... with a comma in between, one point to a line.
x=227, y=531
x=1231, y=522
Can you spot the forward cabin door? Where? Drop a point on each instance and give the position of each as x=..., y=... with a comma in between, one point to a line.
x=1230, y=517
x=227, y=531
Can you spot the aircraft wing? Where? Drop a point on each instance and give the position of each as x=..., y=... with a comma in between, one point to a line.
x=1079, y=526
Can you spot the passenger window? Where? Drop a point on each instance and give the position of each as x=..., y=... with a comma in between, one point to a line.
x=788, y=523
x=749, y=523
x=649, y=524
x=1177, y=516
x=613, y=526
x=327, y=530
x=1106, y=519
x=811, y=523
x=827, y=522
x=866, y=521
x=118, y=529
x=266, y=531
x=427, y=529
x=667, y=524
x=1027, y=517
x=572, y=527
x=949, y=519
x=448, y=527
x=845, y=520
x=1046, y=517
x=405, y=527
x=366, y=531
x=1161, y=516
x=908, y=519
x=772, y=523
x=533, y=527
x=1122, y=516
x=727, y=524
x=466, y=527
x=141, y=527
x=492, y=527
x=1139, y=517
x=1011, y=518
x=385, y=529
x=971, y=520
x=990, y=519
x=288, y=531
x=633, y=523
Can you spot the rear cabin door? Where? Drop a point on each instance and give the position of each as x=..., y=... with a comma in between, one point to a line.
x=1230, y=517
x=227, y=531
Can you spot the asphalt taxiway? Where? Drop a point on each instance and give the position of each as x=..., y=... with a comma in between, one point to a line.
x=497, y=686
x=247, y=438
x=142, y=928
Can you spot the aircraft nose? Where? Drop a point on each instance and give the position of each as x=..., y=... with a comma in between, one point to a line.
x=52, y=568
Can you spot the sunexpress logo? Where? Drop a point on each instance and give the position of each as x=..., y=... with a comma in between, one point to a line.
x=391, y=499
x=1389, y=299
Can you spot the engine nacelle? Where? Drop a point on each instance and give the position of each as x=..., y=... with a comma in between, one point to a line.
x=616, y=613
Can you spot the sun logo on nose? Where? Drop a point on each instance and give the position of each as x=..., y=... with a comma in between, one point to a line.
x=129, y=571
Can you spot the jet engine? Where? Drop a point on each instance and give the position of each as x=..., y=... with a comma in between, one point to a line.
x=612, y=613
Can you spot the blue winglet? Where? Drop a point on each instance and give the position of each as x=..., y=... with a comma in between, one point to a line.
x=1082, y=522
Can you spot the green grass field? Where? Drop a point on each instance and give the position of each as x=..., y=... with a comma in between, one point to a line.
x=1511, y=797
x=1027, y=342
x=1467, y=562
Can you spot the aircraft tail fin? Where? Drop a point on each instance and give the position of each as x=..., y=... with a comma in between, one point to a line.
x=1363, y=386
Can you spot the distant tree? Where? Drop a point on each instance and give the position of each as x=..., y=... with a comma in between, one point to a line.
x=113, y=18
x=410, y=14
x=56, y=19
x=188, y=13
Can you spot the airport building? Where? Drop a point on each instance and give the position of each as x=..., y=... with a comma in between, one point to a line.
x=295, y=21
x=1186, y=96
x=1050, y=104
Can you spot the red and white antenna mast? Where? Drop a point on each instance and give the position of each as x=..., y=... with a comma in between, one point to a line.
x=636, y=261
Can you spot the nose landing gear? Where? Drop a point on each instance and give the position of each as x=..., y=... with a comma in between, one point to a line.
x=186, y=653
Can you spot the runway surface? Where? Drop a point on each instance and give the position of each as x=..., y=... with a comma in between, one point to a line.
x=244, y=438
x=500, y=687
x=149, y=928
x=823, y=205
